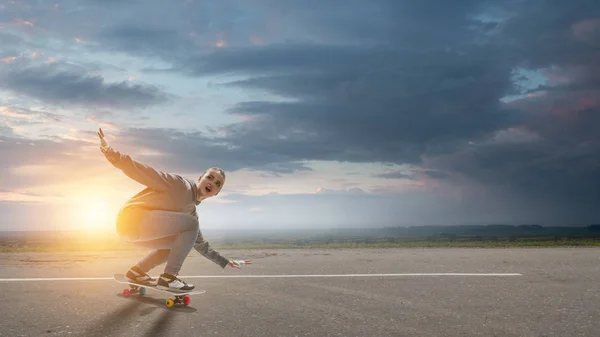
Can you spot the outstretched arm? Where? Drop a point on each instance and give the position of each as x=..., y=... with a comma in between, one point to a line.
x=142, y=173
x=204, y=248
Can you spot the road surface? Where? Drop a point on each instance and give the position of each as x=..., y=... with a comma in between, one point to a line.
x=339, y=292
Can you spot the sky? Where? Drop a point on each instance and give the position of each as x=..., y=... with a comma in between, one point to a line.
x=323, y=114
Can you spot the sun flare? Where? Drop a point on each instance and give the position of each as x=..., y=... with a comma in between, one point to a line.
x=94, y=214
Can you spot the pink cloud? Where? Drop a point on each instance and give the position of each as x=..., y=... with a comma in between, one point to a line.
x=10, y=59
x=21, y=22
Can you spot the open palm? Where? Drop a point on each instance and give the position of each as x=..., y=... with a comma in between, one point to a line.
x=238, y=263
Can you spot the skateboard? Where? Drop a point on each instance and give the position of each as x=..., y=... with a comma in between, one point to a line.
x=180, y=297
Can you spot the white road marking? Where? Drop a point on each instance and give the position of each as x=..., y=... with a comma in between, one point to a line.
x=266, y=276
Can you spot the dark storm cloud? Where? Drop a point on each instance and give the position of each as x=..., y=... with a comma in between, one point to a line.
x=554, y=33
x=562, y=177
x=559, y=163
x=435, y=94
x=56, y=84
x=426, y=94
x=367, y=105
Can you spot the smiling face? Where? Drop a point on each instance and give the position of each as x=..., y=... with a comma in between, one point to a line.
x=210, y=183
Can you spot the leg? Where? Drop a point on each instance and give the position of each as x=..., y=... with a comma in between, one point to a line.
x=180, y=249
x=153, y=259
x=158, y=256
x=174, y=249
x=164, y=231
x=176, y=231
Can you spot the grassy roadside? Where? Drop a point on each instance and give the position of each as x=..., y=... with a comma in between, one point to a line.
x=424, y=244
x=334, y=245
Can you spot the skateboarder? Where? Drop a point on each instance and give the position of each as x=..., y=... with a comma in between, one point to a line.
x=163, y=217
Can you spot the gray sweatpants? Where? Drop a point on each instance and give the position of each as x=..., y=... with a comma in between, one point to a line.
x=171, y=235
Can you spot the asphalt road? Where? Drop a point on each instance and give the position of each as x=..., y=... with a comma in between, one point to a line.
x=539, y=292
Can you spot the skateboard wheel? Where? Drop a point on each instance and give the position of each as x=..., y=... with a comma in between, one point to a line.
x=142, y=291
x=126, y=292
x=169, y=303
x=186, y=300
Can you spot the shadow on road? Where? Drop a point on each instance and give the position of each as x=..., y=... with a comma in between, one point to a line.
x=122, y=318
x=110, y=324
x=160, y=326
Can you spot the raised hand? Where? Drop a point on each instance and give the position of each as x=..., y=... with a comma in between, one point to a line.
x=104, y=147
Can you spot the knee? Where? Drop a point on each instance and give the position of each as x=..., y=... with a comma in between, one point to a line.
x=195, y=229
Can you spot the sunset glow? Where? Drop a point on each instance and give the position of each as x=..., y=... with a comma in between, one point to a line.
x=317, y=121
x=94, y=214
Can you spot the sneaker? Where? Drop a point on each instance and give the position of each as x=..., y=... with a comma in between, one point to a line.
x=173, y=283
x=136, y=275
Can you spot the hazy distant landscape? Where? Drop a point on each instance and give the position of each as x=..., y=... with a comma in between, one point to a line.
x=418, y=236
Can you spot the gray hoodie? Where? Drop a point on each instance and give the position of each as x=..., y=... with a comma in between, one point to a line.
x=164, y=191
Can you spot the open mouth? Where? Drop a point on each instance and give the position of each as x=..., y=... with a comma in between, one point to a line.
x=208, y=188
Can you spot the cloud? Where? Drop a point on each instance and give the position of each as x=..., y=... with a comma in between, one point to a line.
x=354, y=191
x=5, y=130
x=423, y=84
x=19, y=115
x=365, y=105
x=394, y=175
x=9, y=42
x=431, y=102
x=28, y=155
x=160, y=42
x=61, y=84
x=436, y=174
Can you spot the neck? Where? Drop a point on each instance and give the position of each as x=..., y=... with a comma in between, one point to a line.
x=199, y=195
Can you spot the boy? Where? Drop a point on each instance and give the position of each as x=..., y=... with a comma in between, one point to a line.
x=163, y=217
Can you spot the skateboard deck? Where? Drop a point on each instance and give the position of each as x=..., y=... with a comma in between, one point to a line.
x=180, y=297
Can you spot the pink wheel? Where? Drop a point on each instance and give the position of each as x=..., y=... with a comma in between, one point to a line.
x=126, y=292
x=186, y=300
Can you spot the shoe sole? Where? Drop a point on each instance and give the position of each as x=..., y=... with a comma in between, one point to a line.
x=174, y=289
